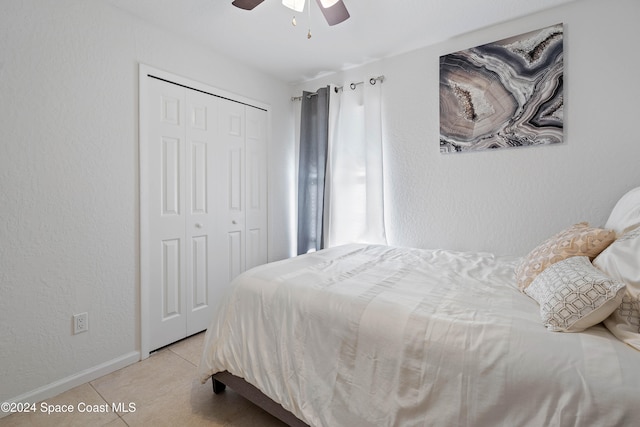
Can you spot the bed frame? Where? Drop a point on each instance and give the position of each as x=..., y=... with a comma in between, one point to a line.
x=223, y=379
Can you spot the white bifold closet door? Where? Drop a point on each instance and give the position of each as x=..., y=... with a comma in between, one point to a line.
x=207, y=213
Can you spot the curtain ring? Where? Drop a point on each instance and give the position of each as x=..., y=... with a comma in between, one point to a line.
x=352, y=86
x=372, y=81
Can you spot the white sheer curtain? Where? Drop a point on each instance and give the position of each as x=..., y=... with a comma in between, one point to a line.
x=354, y=193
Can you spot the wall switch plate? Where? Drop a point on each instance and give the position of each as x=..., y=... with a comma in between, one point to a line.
x=80, y=323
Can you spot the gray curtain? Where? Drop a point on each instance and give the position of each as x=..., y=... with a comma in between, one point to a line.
x=314, y=130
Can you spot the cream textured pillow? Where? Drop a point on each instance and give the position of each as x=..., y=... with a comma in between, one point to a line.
x=574, y=295
x=621, y=260
x=577, y=240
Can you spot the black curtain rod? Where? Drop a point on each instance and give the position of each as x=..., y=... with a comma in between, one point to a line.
x=372, y=81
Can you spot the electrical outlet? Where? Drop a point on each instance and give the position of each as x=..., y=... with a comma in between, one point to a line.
x=80, y=323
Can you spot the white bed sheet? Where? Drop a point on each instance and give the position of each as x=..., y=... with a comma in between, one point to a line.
x=365, y=335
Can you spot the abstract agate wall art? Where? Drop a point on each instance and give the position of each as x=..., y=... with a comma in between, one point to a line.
x=503, y=94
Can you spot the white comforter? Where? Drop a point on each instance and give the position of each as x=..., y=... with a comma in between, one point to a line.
x=380, y=336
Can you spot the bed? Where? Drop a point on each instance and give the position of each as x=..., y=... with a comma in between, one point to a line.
x=371, y=335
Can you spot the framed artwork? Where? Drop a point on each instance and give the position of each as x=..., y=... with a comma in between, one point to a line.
x=503, y=94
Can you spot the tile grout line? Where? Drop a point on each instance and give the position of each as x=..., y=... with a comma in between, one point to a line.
x=182, y=357
x=105, y=401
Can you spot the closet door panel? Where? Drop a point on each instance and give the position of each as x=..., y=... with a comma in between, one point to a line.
x=166, y=213
x=203, y=288
x=171, y=279
x=232, y=204
x=256, y=187
x=171, y=190
x=199, y=186
x=234, y=249
x=199, y=274
x=235, y=193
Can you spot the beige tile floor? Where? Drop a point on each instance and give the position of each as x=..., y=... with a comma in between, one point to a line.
x=165, y=391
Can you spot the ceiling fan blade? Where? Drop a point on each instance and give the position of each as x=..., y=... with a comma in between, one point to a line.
x=334, y=14
x=246, y=4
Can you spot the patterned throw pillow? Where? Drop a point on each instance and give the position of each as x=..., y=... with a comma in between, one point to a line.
x=621, y=260
x=574, y=295
x=577, y=240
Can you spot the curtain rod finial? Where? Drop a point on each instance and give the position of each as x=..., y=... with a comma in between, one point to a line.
x=373, y=80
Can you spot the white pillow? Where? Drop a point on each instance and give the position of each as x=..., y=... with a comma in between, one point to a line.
x=626, y=212
x=621, y=260
x=574, y=295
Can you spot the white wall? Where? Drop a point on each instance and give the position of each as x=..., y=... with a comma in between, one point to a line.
x=507, y=201
x=69, y=206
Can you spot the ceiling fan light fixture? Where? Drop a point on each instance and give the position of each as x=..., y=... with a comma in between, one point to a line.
x=297, y=5
x=328, y=3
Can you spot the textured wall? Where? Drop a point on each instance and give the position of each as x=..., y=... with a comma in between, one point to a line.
x=507, y=201
x=69, y=178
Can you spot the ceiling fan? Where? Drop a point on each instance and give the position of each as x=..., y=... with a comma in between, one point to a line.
x=334, y=11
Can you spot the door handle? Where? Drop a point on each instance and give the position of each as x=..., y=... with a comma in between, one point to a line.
x=198, y=225
x=234, y=222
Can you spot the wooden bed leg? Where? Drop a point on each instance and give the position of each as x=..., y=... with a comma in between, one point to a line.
x=218, y=387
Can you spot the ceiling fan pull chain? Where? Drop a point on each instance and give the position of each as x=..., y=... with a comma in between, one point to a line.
x=309, y=16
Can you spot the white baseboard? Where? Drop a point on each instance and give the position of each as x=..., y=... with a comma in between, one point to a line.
x=79, y=378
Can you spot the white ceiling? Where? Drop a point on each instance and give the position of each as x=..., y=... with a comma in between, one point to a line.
x=264, y=37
